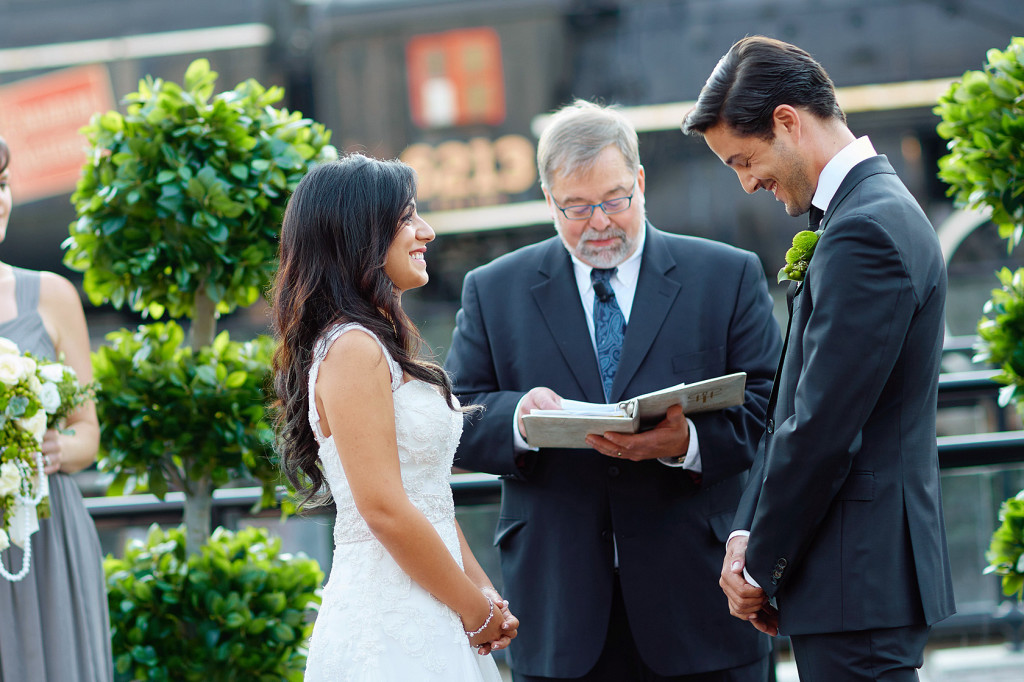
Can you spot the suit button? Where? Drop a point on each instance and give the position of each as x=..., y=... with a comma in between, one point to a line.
x=613, y=471
x=771, y=426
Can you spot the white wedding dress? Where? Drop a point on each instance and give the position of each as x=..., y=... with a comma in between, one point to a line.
x=375, y=624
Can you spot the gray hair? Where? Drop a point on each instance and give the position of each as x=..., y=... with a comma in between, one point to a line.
x=577, y=133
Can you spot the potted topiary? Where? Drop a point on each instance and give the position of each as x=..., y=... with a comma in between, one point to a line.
x=179, y=208
x=983, y=119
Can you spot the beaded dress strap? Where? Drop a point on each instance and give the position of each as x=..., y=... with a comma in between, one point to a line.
x=323, y=345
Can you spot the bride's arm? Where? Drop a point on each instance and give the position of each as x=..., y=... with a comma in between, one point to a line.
x=357, y=406
x=510, y=624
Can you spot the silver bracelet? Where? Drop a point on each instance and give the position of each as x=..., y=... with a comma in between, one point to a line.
x=483, y=627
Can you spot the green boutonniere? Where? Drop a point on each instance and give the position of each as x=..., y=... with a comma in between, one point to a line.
x=799, y=256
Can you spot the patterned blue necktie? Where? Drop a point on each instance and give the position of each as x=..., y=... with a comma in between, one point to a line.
x=609, y=327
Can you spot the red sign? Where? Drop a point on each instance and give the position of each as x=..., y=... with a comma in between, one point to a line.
x=456, y=78
x=40, y=118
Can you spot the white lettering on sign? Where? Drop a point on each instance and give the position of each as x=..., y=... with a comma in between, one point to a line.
x=478, y=172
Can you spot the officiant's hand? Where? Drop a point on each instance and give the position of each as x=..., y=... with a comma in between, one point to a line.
x=670, y=438
x=746, y=602
x=538, y=398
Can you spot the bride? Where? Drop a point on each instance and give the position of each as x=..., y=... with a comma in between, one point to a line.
x=363, y=417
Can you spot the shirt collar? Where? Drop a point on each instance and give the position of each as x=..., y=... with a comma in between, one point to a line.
x=836, y=170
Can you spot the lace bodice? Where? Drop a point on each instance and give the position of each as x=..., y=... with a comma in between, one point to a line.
x=375, y=623
x=428, y=432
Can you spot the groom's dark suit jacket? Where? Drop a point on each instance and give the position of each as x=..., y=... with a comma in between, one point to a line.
x=844, y=507
x=701, y=309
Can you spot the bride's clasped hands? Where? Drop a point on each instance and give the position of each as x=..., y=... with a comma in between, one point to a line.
x=507, y=626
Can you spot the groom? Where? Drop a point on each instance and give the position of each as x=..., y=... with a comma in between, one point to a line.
x=839, y=540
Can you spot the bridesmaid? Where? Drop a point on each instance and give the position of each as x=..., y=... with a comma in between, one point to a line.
x=54, y=624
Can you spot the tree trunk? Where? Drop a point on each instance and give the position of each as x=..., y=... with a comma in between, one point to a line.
x=198, y=503
x=199, y=493
x=204, y=324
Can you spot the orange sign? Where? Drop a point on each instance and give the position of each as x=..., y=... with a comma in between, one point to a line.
x=40, y=118
x=456, y=78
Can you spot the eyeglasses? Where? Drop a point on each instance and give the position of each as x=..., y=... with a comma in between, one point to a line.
x=584, y=211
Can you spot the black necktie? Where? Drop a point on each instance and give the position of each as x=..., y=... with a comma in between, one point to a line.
x=814, y=217
x=609, y=327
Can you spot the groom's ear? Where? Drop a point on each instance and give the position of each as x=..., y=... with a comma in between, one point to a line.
x=787, y=122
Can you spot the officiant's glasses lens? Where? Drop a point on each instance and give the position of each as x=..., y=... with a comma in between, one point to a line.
x=584, y=211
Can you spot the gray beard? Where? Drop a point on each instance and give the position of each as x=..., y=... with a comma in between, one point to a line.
x=604, y=258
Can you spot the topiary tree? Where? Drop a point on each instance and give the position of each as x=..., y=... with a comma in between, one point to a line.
x=983, y=119
x=179, y=208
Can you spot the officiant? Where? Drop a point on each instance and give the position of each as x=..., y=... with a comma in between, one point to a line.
x=611, y=555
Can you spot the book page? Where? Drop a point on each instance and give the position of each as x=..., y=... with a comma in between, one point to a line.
x=580, y=408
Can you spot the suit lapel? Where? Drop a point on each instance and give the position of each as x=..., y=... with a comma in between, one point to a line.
x=655, y=294
x=558, y=298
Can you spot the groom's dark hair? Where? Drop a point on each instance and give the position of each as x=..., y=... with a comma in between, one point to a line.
x=754, y=77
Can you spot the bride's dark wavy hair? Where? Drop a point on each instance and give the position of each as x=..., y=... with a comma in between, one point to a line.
x=338, y=227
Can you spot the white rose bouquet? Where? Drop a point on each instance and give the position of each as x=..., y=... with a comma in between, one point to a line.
x=35, y=395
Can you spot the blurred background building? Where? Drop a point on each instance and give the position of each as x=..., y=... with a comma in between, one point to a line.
x=459, y=89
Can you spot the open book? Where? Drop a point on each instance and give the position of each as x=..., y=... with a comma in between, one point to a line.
x=569, y=426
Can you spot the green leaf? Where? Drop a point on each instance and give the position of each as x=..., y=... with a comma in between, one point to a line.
x=113, y=225
x=219, y=233
x=235, y=620
x=236, y=379
x=207, y=375
x=283, y=633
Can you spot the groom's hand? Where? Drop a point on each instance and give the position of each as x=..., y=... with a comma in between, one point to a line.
x=670, y=438
x=767, y=620
x=745, y=601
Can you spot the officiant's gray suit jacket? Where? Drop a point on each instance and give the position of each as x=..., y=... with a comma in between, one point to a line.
x=844, y=507
x=701, y=310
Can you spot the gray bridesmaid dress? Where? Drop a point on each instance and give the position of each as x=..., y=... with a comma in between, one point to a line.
x=54, y=624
